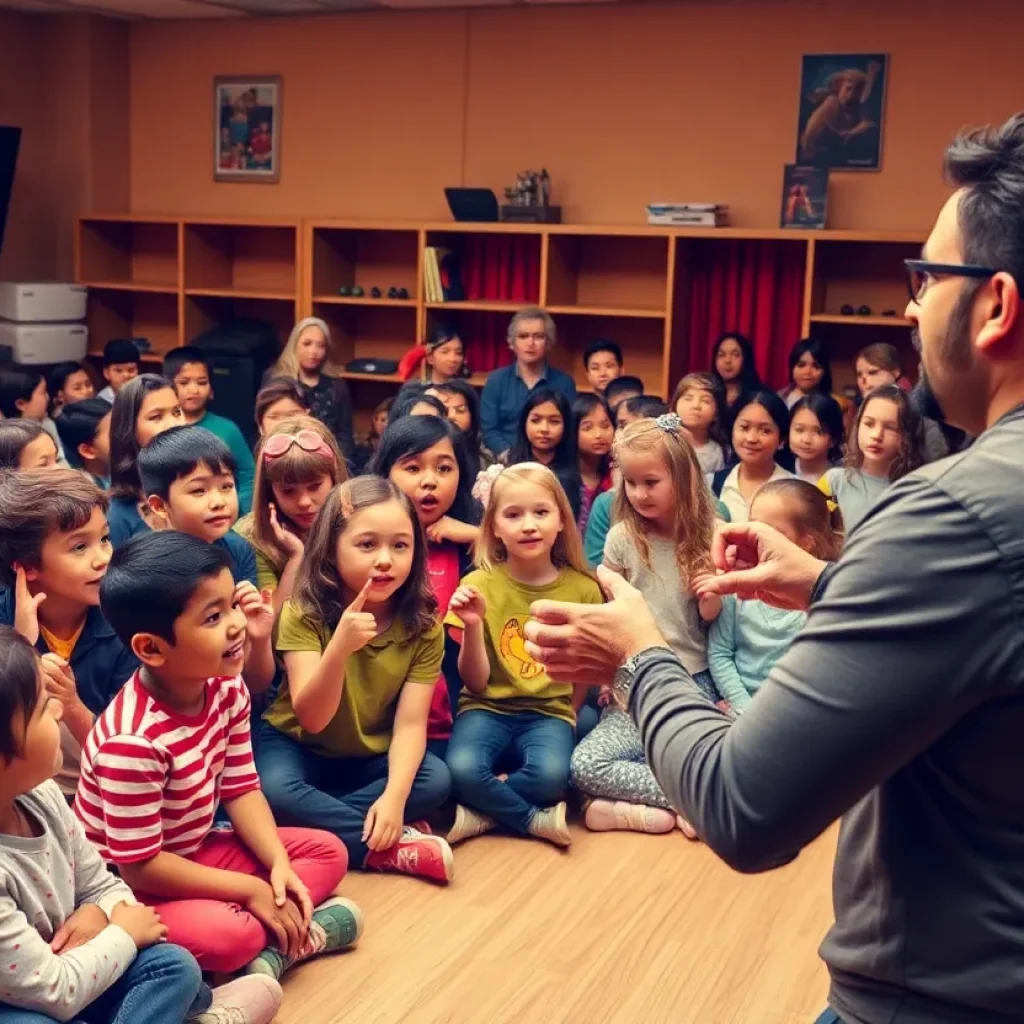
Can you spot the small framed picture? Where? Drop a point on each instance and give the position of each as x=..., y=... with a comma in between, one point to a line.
x=842, y=105
x=804, y=197
x=247, y=129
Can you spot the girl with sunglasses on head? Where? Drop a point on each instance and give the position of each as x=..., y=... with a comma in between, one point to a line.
x=297, y=464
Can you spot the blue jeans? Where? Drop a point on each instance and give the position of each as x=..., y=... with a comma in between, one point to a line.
x=334, y=793
x=162, y=985
x=538, y=746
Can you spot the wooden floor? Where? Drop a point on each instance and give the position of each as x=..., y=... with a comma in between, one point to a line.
x=623, y=929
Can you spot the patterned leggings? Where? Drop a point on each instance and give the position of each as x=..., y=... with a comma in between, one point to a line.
x=610, y=761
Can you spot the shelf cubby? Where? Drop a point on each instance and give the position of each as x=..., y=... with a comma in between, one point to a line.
x=135, y=255
x=500, y=271
x=608, y=274
x=204, y=312
x=367, y=332
x=844, y=340
x=343, y=257
x=860, y=273
x=642, y=340
x=119, y=313
x=241, y=260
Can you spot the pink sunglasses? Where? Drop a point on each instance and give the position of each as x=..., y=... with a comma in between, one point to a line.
x=308, y=440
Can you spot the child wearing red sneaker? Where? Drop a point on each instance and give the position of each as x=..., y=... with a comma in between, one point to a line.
x=173, y=744
x=344, y=746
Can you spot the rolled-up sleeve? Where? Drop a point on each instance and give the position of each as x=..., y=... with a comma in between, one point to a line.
x=912, y=629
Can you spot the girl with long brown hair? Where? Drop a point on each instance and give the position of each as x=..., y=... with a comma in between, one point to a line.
x=344, y=746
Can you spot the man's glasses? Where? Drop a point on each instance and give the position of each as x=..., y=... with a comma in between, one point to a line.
x=920, y=274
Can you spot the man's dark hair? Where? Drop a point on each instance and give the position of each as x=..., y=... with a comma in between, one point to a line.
x=17, y=383
x=601, y=345
x=645, y=406
x=988, y=164
x=78, y=423
x=178, y=358
x=618, y=386
x=36, y=503
x=152, y=578
x=19, y=689
x=120, y=350
x=178, y=452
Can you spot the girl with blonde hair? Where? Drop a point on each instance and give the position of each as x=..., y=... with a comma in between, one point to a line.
x=511, y=712
x=661, y=543
x=307, y=358
x=297, y=465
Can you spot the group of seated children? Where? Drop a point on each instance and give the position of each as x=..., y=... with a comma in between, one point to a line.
x=240, y=703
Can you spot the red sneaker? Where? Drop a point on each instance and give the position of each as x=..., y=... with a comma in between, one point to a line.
x=416, y=853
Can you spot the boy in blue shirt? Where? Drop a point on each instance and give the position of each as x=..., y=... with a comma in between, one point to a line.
x=187, y=368
x=188, y=477
x=54, y=550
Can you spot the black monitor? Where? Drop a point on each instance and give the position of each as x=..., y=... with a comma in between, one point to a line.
x=10, y=138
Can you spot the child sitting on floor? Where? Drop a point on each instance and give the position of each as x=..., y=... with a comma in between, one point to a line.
x=54, y=550
x=188, y=369
x=748, y=637
x=662, y=545
x=511, y=714
x=84, y=429
x=176, y=740
x=344, y=746
x=144, y=407
x=73, y=941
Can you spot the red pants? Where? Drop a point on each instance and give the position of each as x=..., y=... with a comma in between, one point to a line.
x=224, y=937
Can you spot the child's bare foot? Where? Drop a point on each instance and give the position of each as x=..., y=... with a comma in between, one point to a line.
x=612, y=815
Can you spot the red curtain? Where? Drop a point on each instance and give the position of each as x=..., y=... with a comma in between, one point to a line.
x=753, y=287
x=496, y=268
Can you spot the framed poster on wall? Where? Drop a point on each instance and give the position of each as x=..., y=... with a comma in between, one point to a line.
x=842, y=104
x=247, y=129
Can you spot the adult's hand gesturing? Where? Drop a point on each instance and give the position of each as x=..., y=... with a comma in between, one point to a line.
x=584, y=644
x=757, y=563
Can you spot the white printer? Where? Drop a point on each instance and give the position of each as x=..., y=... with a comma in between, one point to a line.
x=43, y=322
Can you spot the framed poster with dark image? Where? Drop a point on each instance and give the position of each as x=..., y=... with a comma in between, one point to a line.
x=804, y=197
x=842, y=105
x=247, y=129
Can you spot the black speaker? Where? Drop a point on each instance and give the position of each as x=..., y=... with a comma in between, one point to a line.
x=240, y=352
x=10, y=139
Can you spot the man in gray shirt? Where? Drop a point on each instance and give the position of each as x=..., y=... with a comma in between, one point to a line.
x=901, y=704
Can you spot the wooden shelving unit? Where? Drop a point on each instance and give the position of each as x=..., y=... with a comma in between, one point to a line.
x=168, y=279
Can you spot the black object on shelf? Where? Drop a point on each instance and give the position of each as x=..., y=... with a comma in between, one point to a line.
x=240, y=352
x=374, y=292
x=392, y=292
x=863, y=311
x=403, y=293
x=376, y=366
x=472, y=204
x=847, y=310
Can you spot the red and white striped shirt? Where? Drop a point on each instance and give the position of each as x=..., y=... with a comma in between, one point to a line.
x=152, y=778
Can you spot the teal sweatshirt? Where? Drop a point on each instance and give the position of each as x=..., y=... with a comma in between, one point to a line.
x=746, y=640
x=229, y=433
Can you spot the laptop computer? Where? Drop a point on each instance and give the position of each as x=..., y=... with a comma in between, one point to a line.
x=472, y=204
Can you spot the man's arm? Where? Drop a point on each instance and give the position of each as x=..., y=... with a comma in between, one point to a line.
x=911, y=630
x=490, y=416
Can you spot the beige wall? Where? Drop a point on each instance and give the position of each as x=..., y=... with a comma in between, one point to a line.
x=623, y=103
x=64, y=81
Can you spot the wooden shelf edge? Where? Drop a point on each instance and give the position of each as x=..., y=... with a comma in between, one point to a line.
x=861, y=321
x=618, y=311
x=240, y=293
x=481, y=306
x=384, y=378
x=348, y=300
x=131, y=286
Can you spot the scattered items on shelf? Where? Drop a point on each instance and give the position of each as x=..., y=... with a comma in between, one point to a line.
x=804, y=197
x=378, y=367
x=863, y=311
x=375, y=292
x=528, y=201
x=344, y=291
x=847, y=310
x=694, y=215
x=357, y=292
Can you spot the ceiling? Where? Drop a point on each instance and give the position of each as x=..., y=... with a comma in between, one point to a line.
x=183, y=9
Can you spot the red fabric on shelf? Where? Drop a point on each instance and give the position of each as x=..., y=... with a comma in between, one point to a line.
x=753, y=287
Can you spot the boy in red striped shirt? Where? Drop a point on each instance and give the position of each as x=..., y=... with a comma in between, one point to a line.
x=172, y=745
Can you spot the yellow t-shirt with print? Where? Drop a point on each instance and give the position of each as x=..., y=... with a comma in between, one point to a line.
x=374, y=677
x=267, y=576
x=517, y=683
